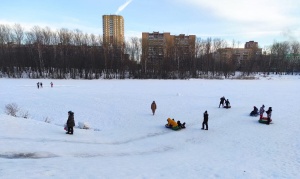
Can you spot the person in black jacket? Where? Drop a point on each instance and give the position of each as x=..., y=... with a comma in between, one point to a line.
x=222, y=100
x=227, y=104
x=205, y=120
x=254, y=112
x=70, y=122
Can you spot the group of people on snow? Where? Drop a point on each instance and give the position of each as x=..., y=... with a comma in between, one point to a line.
x=226, y=101
x=40, y=85
x=261, y=111
x=172, y=123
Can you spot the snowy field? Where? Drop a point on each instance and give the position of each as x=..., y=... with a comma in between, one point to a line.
x=127, y=142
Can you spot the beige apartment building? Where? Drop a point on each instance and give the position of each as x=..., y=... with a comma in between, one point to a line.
x=156, y=46
x=249, y=51
x=113, y=29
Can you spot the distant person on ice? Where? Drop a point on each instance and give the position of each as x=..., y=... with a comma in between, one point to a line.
x=269, y=114
x=254, y=112
x=41, y=84
x=205, y=121
x=153, y=107
x=70, y=122
x=222, y=100
x=227, y=104
x=51, y=84
x=38, y=85
x=261, y=111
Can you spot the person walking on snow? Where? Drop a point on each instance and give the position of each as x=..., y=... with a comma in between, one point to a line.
x=205, y=121
x=38, y=85
x=222, y=100
x=261, y=111
x=70, y=122
x=269, y=114
x=153, y=107
x=51, y=84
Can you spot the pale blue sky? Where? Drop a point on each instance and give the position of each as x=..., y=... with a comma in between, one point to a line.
x=264, y=21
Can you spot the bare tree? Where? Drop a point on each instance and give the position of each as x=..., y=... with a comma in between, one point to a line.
x=18, y=33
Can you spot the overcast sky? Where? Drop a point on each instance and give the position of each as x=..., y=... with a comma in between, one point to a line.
x=264, y=21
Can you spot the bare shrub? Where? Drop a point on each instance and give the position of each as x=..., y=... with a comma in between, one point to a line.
x=47, y=120
x=23, y=114
x=12, y=109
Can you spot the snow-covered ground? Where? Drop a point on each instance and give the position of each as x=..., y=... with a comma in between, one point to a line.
x=127, y=141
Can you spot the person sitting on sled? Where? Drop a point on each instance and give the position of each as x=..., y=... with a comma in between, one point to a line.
x=227, y=104
x=172, y=122
x=254, y=112
x=181, y=125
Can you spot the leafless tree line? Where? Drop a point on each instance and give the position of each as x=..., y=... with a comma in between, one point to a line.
x=44, y=53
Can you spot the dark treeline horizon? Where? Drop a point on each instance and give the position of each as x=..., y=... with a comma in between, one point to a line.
x=44, y=53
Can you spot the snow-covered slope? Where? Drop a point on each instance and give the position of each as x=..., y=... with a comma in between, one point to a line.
x=127, y=141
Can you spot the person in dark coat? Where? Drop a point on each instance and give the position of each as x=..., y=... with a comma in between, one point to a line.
x=205, y=121
x=269, y=114
x=70, y=122
x=181, y=125
x=227, y=104
x=222, y=100
x=38, y=85
x=254, y=112
x=153, y=107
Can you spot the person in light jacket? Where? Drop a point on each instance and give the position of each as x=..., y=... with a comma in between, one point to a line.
x=261, y=111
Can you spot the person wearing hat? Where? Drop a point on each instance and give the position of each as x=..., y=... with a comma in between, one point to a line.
x=205, y=120
x=70, y=122
x=153, y=107
x=269, y=114
x=261, y=111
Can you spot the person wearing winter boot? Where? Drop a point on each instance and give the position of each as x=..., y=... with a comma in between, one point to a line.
x=269, y=114
x=70, y=123
x=205, y=121
x=153, y=107
x=222, y=100
x=261, y=111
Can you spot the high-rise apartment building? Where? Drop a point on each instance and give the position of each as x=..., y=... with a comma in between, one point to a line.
x=113, y=29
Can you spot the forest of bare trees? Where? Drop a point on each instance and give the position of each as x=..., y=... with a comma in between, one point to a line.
x=44, y=53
